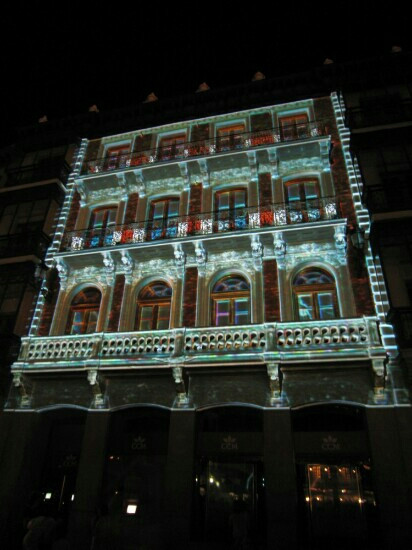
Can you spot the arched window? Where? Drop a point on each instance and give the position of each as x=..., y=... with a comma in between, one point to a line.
x=163, y=218
x=315, y=294
x=153, y=307
x=84, y=312
x=231, y=301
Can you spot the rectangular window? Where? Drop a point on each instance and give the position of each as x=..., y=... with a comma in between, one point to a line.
x=146, y=318
x=117, y=156
x=230, y=137
x=172, y=147
x=326, y=306
x=294, y=127
x=241, y=311
x=305, y=307
x=163, y=317
x=222, y=313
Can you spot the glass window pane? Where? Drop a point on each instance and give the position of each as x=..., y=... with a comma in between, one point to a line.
x=92, y=321
x=98, y=219
x=146, y=318
x=223, y=201
x=293, y=192
x=311, y=190
x=158, y=209
x=111, y=216
x=241, y=311
x=240, y=199
x=163, y=317
x=222, y=312
x=325, y=305
x=173, y=208
x=77, y=324
x=305, y=307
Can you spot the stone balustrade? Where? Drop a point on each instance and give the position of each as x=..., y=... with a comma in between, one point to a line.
x=352, y=336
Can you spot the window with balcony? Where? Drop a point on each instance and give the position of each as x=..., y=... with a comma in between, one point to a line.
x=163, y=218
x=153, y=307
x=230, y=137
x=302, y=198
x=172, y=147
x=294, y=127
x=117, y=156
x=231, y=210
x=102, y=222
x=231, y=301
x=84, y=312
x=315, y=295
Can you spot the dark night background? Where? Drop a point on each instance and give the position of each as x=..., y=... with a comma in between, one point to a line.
x=61, y=61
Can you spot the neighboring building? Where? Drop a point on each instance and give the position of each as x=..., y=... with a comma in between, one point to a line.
x=33, y=174
x=214, y=351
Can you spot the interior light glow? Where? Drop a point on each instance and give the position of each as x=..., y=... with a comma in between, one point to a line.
x=307, y=499
x=72, y=498
x=211, y=479
x=131, y=508
x=47, y=496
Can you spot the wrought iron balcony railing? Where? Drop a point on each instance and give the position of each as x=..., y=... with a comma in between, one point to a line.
x=286, y=340
x=24, y=244
x=239, y=219
x=208, y=147
x=57, y=168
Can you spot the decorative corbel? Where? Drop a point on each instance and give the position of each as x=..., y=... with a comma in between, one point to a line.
x=181, y=387
x=274, y=380
x=379, y=376
x=109, y=267
x=202, y=163
x=180, y=259
x=184, y=172
x=201, y=257
x=251, y=157
x=63, y=272
x=128, y=265
x=123, y=184
x=24, y=386
x=324, y=147
x=279, y=249
x=141, y=186
x=340, y=243
x=274, y=163
x=257, y=252
x=97, y=385
x=82, y=190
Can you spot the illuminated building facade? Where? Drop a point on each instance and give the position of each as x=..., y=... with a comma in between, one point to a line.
x=215, y=349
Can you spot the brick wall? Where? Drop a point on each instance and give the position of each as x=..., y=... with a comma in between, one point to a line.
x=262, y=121
x=190, y=297
x=271, y=291
x=92, y=151
x=53, y=284
x=142, y=143
x=73, y=213
x=356, y=260
x=265, y=189
x=114, y=315
x=195, y=199
x=200, y=132
x=131, y=208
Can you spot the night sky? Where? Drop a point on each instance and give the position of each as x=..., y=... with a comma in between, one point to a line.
x=60, y=62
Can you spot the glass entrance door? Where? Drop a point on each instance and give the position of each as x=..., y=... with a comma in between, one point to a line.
x=230, y=503
x=339, y=505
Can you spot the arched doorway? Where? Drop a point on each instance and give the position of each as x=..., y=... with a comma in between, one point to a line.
x=337, y=505
x=131, y=507
x=229, y=483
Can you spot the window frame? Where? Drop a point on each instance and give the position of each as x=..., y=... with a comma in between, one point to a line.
x=155, y=304
x=231, y=296
x=228, y=223
x=292, y=127
x=302, y=211
x=314, y=290
x=87, y=308
x=234, y=136
x=176, y=150
x=167, y=229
